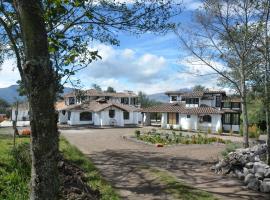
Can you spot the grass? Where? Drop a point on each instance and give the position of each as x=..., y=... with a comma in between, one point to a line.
x=94, y=178
x=178, y=189
x=14, y=178
x=15, y=169
x=231, y=147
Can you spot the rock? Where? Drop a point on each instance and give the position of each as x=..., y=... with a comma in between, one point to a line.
x=254, y=184
x=265, y=186
x=248, y=178
x=245, y=171
x=259, y=167
x=249, y=165
x=257, y=159
x=267, y=173
x=259, y=175
x=240, y=174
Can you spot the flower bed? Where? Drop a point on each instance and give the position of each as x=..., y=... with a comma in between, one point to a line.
x=168, y=139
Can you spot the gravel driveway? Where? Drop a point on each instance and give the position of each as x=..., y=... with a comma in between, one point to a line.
x=119, y=161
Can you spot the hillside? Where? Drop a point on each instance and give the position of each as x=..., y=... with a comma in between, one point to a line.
x=10, y=93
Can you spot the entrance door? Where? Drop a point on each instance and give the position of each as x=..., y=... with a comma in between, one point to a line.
x=172, y=118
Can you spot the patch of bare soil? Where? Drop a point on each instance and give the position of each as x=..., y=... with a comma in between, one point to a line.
x=74, y=183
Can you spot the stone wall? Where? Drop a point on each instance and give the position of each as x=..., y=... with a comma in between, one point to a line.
x=248, y=166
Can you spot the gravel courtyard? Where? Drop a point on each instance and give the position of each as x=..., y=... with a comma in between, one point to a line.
x=120, y=162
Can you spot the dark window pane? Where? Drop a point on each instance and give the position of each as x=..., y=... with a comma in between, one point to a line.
x=227, y=118
x=111, y=113
x=126, y=115
x=86, y=116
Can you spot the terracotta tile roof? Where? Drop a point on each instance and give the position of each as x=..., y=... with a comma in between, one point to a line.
x=231, y=99
x=94, y=106
x=196, y=93
x=231, y=111
x=180, y=108
x=59, y=105
x=92, y=92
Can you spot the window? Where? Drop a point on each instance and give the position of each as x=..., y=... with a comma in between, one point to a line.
x=125, y=100
x=69, y=115
x=111, y=113
x=192, y=101
x=236, y=119
x=235, y=105
x=227, y=105
x=218, y=100
x=227, y=118
x=71, y=100
x=206, y=118
x=173, y=98
x=86, y=116
x=188, y=116
x=126, y=115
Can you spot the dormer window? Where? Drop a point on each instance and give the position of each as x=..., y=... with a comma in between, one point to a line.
x=71, y=100
x=192, y=101
x=173, y=98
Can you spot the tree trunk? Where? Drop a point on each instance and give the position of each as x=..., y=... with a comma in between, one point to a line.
x=267, y=111
x=14, y=124
x=40, y=85
x=244, y=110
x=267, y=79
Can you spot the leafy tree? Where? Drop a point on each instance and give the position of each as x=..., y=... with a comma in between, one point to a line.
x=145, y=101
x=50, y=41
x=96, y=87
x=225, y=41
x=111, y=89
x=197, y=88
x=4, y=107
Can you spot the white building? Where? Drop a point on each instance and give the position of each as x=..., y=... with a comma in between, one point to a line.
x=22, y=112
x=100, y=109
x=198, y=111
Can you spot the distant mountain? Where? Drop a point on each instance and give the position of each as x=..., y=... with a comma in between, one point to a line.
x=10, y=93
x=162, y=97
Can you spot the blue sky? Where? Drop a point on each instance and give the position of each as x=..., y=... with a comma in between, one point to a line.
x=149, y=63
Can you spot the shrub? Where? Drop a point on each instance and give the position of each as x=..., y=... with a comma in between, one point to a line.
x=254, y=132
x=137, y=133
x=220, y=131
x=241, y=130
x=230, y=147
x=209, y=131
x=26, y=132
x=171, y=126
x=22, y=158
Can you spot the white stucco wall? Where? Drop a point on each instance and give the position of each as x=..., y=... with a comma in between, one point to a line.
x=193, y=123
x=75, y=119
x=22, y=113
x=62, y=119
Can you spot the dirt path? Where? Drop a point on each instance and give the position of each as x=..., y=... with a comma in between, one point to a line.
x=119, y=161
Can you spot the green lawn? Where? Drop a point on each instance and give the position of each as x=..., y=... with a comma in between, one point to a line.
x=15, y=170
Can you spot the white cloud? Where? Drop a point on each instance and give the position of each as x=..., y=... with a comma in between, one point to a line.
x=192, y=4
x=9, y=73
x=126, y=64
x=195, y=66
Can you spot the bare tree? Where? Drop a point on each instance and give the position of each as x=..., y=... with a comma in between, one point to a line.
x=223, y=38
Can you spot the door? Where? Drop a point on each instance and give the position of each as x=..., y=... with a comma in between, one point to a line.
x=172, y=118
